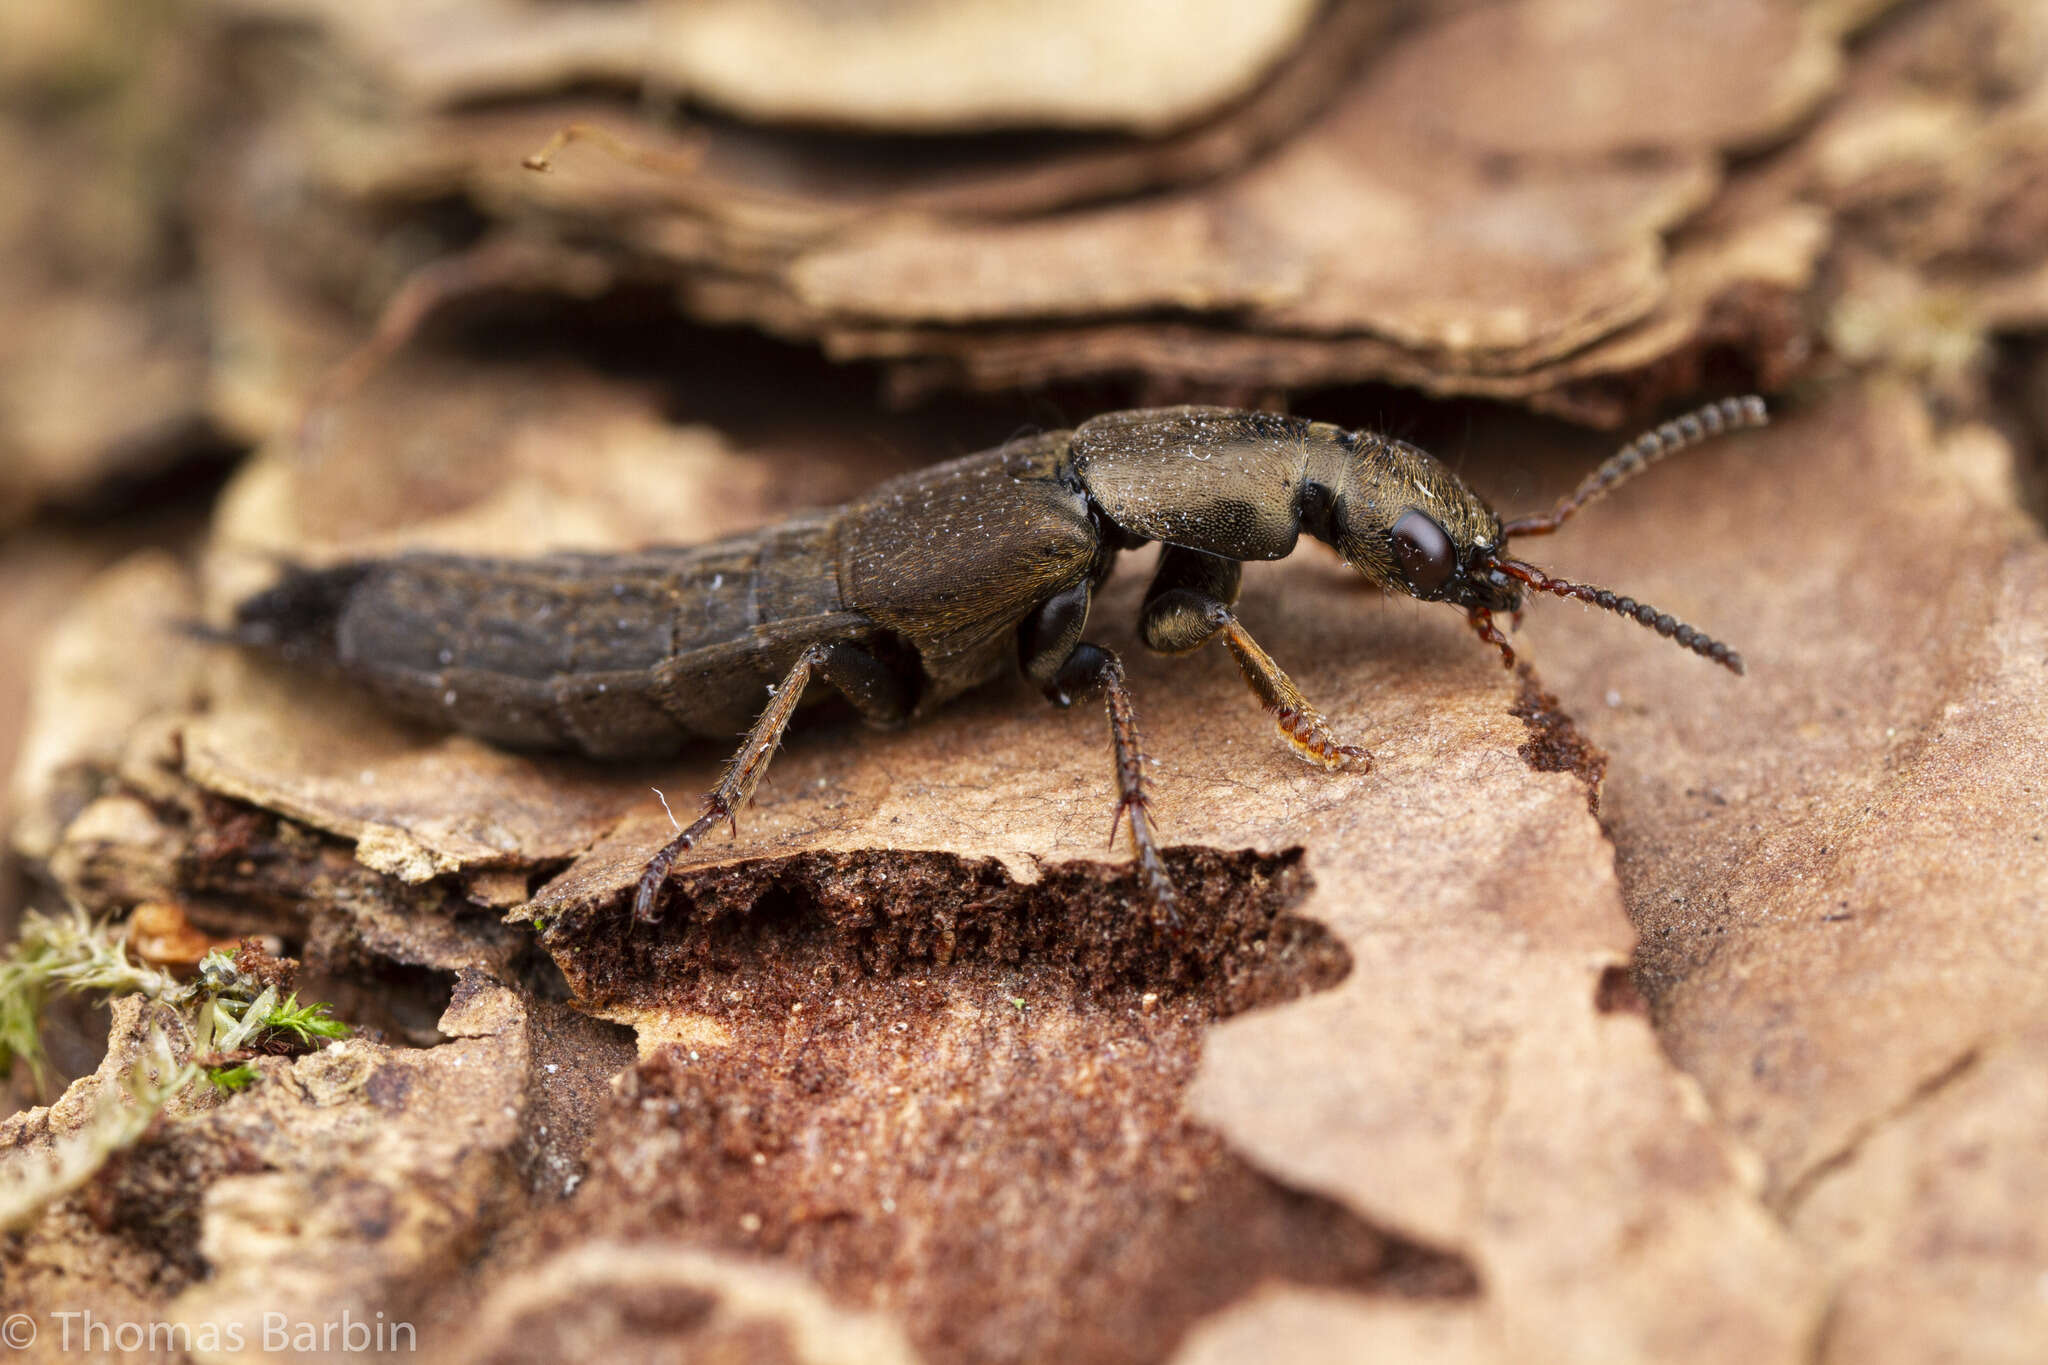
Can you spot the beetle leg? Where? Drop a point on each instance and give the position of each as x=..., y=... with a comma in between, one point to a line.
x=1091, y=666
x=1062, y=665
x=1180, y=605
x=1301, y=725
x=1048, y=637
x=1481, y=621
x=852, y=670
x=1188, y=605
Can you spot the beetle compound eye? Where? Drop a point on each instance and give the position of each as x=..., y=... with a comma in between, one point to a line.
x=1423, y=551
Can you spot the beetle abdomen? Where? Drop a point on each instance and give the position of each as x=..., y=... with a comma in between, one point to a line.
x=610, y=655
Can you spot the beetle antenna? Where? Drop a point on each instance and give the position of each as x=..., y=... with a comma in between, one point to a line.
x=1665, y=624
x=1701, y=424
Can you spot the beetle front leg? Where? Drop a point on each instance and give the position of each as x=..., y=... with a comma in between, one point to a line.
x=849, y=668
x=1301, y=725
x=1188, y=605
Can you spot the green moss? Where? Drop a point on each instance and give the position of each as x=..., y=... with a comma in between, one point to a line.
x=60, y=953
x=305, y=1023
x=232, y=1078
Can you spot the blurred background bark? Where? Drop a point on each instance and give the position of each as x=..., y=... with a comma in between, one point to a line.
x=1746, y=1060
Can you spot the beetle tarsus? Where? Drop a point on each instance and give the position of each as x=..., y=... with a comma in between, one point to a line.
x=1482, y=623
x=647, y=895
x=1151, y=867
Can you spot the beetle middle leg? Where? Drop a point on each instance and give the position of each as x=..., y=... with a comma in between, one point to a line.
x=1063, y=665
x=859, y=675
x=1189, y=604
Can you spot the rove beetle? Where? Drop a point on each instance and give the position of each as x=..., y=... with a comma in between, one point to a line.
x=936, y=582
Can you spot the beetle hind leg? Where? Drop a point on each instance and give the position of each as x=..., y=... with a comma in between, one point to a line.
x=847, y=667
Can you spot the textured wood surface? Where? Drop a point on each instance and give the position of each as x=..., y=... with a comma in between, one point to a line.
x=1452, y=1062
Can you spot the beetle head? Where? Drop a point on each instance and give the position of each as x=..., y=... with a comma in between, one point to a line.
x=1410, y=523
x=1406, y=522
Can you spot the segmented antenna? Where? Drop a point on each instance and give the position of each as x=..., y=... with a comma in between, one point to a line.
x=1665, y=624
x=1729, y=414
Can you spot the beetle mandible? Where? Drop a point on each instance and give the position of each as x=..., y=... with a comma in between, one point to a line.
x=936, y=582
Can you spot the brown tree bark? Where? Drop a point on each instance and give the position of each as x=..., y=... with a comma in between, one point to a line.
x=1624, y=1010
